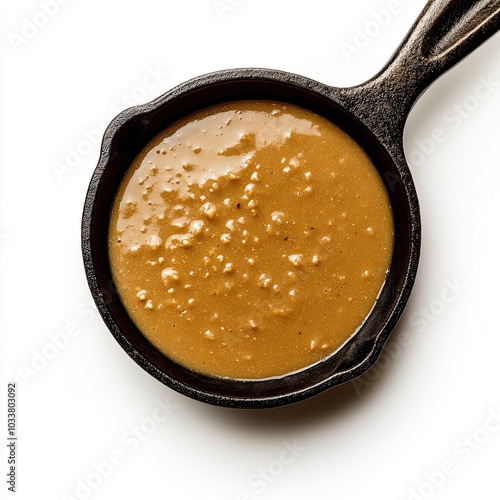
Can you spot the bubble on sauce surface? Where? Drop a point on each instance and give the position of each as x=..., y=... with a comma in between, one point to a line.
x=169, y=275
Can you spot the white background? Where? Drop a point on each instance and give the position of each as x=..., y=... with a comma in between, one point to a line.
x=430, y=403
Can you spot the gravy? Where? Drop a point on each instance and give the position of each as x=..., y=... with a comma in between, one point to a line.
x=250, y=239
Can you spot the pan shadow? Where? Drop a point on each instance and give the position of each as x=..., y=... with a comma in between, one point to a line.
x=330, y=406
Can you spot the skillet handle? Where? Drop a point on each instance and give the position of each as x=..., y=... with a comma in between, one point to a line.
x=445, y=33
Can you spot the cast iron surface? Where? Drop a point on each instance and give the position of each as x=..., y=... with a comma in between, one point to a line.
x=373, y=113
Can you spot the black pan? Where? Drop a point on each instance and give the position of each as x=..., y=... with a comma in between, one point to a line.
x=373, y=113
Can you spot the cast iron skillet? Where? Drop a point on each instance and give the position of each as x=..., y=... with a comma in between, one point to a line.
x=373, y=113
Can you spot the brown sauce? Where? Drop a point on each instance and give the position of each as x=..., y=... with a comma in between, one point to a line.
x=250, y=239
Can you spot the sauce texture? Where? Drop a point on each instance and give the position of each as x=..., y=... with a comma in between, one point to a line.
x=250, y=239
